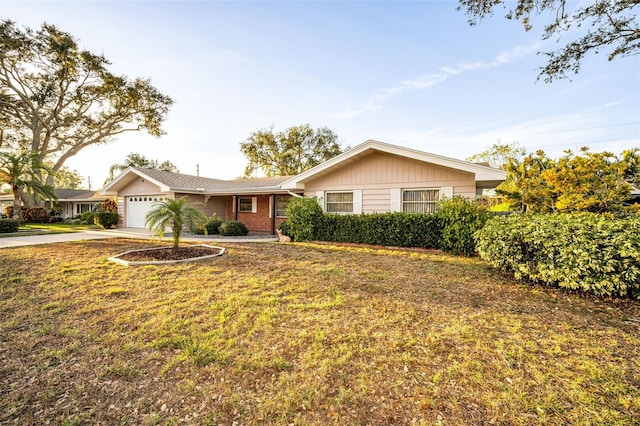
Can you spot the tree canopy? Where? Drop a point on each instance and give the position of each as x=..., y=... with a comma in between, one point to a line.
x=67, y=178
x=594, y=26
x=499, y=155
x=584, y=181
x=57, y=99
x=138, y=160
x=290, y=152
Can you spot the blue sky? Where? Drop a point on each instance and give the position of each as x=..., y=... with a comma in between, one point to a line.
x=408, y=73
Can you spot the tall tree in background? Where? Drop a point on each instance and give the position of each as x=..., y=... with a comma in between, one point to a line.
x=67, y=178
x=21, y=171
x=499, y=155
x=57, y=99
x=138, y=160
x=290, y=152
x=594, y=25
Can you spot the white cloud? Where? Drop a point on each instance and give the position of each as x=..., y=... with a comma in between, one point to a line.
x=375, y=101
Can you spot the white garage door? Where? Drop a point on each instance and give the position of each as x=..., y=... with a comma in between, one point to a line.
x=137, y=208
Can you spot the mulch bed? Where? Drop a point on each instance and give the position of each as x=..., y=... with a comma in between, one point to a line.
x=184, y=252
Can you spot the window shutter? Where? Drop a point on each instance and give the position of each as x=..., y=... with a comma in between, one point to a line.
x=270, y=207
x=254, y=204
x=320, y=198
x=235, y=201
x=446, y=192
x=396, y=199
x=357, y=201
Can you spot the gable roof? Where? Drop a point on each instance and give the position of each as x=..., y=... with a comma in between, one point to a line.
x=178, y=182
x=484, y=176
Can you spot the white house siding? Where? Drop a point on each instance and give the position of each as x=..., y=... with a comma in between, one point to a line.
x=375, y=200
x=379, y=174
x=138, y=188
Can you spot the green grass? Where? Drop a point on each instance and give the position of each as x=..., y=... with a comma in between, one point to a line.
x=304, y=334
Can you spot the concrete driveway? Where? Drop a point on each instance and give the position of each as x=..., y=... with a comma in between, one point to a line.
x=143, y=233
x=28, y=240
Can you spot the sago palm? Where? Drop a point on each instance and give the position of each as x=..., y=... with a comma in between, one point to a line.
x=174, y=214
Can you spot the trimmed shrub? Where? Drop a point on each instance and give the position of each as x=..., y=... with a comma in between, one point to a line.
x=8, y=225
x=212, y=225
x=105, y=220
x=303, y=215
x=387, y=229
x=588, y=252
x=87, y=218
x=36, y=215
x=233, y=228
x=460, y=220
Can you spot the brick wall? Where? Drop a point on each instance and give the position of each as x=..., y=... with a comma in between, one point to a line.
x=256, y=222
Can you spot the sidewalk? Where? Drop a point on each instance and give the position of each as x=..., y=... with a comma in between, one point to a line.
x=29, y=240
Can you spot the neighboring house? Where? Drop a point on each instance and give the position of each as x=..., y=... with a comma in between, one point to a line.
x=71, y=202
x=74, y=202
x=371, y=177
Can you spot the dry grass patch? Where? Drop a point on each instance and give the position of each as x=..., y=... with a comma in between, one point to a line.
x=304, y=334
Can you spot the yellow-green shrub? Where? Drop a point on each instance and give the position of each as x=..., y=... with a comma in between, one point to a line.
x=589, y=252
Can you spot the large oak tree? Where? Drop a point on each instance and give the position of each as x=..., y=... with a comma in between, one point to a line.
x=610, y=26
x=289, y=152
x=57, y=99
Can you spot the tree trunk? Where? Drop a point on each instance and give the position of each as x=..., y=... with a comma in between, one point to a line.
x=17, y=204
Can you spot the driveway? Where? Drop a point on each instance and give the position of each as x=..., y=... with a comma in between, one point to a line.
x=29, y=240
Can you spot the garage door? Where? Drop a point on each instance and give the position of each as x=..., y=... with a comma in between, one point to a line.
x=137, y=208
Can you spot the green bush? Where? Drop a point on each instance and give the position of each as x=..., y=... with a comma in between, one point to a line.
x=105, y=220
x=387, y=229
x=233, y=228
x=303, y=214
x=212, y=225
x=87, y=218
x=589, y=252
x=35, y=215
x=460, y=220
x=8, y=225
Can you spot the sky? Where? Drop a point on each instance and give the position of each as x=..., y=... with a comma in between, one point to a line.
x=414, y=74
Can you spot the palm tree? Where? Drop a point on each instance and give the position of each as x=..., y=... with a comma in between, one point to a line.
x=22, y=171
x=174, y=214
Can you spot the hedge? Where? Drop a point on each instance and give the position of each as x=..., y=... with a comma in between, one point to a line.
x=589, y=252
x=387, y=229
x=8, y=226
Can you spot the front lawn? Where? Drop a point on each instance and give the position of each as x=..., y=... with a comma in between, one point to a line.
x=304, y=334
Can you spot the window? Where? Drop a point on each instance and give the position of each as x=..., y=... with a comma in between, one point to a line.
x=83, y=207
x=246, y=205
x=419, y=200
x=339, y=202
x=281, y=206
